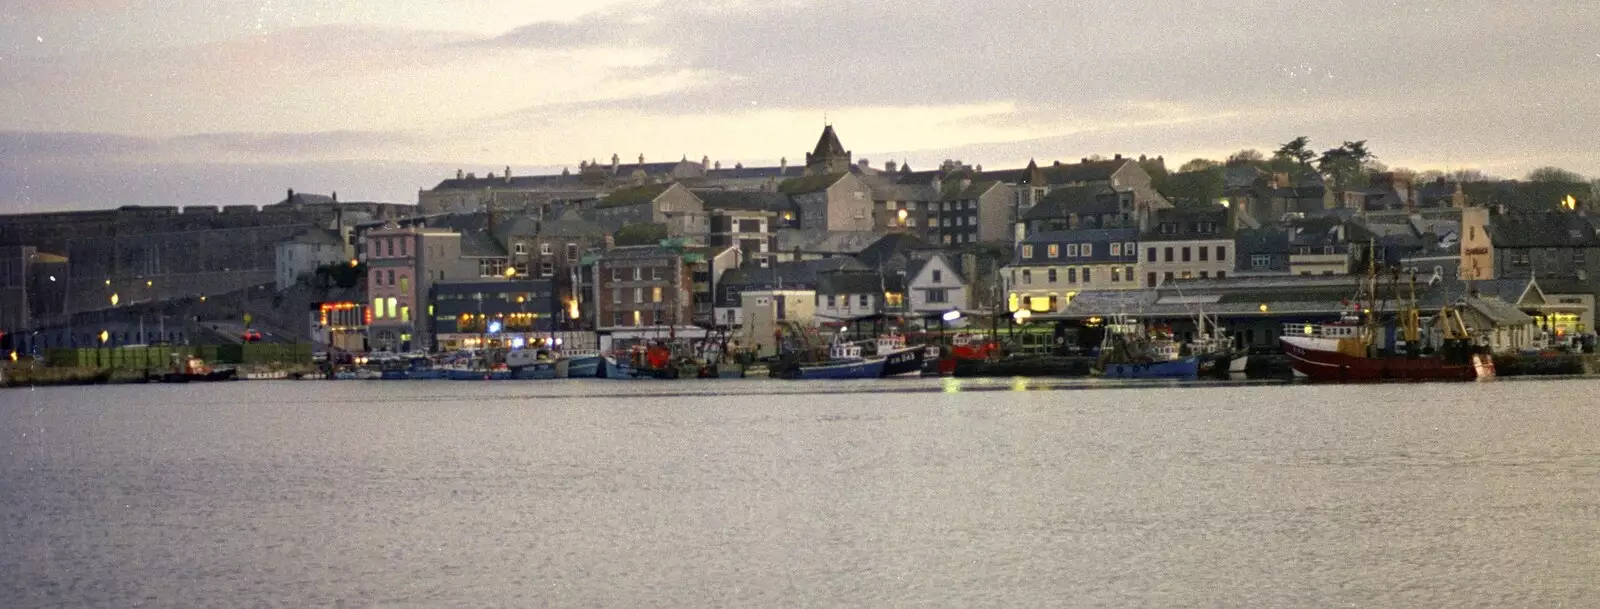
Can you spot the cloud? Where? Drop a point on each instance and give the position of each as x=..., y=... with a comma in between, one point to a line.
x=278, y=147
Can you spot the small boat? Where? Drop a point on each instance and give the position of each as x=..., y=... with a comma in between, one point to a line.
x=583, y=364
x=194, y=370
x=1129, y=351
x=844, y=362
x=899, y=359
x=1219, y=357
x=537, y=364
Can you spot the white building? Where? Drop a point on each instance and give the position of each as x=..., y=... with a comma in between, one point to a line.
x=303, y=253
x=1187, y=243
x=934, y=286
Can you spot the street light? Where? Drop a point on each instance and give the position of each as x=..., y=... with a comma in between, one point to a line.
x=114, y=299
x=952, y=315
x=1022, y=315
x=511, y=271
x=1263, y=307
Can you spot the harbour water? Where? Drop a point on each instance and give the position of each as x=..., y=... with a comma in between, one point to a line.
x=926, y=492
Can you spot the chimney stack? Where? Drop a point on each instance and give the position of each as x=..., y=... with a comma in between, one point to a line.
x=290, y=198
x=460, y=175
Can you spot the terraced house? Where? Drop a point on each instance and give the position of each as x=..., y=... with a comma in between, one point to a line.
x=1187, y=243
x=1050, y=268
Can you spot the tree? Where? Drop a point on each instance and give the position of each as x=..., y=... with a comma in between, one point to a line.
x=1346, y=165
x=1248, y=155
x=1554, y=174
x=1293, y=158
x=1195, y=188
x=640, y=234
x=1470, y=175
x=1198, y=165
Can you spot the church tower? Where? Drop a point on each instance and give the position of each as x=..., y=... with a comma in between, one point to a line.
x=830, y=157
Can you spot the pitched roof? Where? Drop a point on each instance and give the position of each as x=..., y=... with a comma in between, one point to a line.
x=827, y=242
x=318, y=236
x=1081, y=200
x=746, y=173
x=635, y=196
x=886, y=247
x=858, y=282
x=480, y=244
x=743, y=200
x=1542, y=230
x=956, y=191
x=532, y=182
x=807, y=184
x=1500, y=312
x=828, y=145
x=800, y=274
x=921, y=260
x=572, y=224
x=1187, y=223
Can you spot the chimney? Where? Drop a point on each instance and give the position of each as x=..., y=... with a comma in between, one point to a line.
x=290, y=198
x=864, y=164
x=335, y=196
x=889, y=166
x=783, y=165
x=1058, y=163
x=717, y=165
x=705, y=161
x=460, y=175
x=1085, y=159
x=614, y=162
x=1118, y=157
x=979, y=169
x=641, y=159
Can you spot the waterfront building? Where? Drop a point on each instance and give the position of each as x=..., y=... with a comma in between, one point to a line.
x=488, y=313
x=1187, y=243
x=1050, y=268
x=664, y=286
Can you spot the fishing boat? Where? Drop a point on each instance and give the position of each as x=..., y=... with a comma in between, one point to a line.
x=1129, y=351
x=188, y=369
x=583, y=363
x=899, y=359
x=1218, y=354
x=1353, y=348
x=845, y=361
x=537, y=364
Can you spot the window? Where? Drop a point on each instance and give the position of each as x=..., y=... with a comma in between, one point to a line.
x=1072, y=251
x=1086, y=276
x=1027, y=276
x=1050, y=276
x=1578, y=257
x=1205, y=274
x=638, y=295
x=832, y=301
x=1127, y=271
x=1186, y=254
x=616, y=295
x=1072, y=275
x=403, y=243
x=638, y=273
x=389, y=277
x=1168, y=254
x=405, y=283
x=655, y=294
x=1472, y=233
x=911, y=222
x=1167, y=276
x=1053, y=251
x=1204, y=253
x=405, y=312
x=1116, y=275
x=1260, y=261
x=936, y=296
x=616, y=274
x=1222, y=253
x=388, y=247
x=1130, y=250
x=544, y=249
x=1150, y=254
x=636, y=317
x=938, y=275
x=1188, y=275
x=1327, y=249
x=1222, y=274
x=377, y=308
x=1027, y=250
x=546, y=269
x=1087, y=250
x=862, y=301
x=390, y=306
x=656, y=273
x=972, y=220
x=1116, y=249
x=521, y=248
x=572, y=252
x=1150, y=280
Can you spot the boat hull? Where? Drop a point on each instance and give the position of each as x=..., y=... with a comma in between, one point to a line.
x=903, y=362
x=1313, y=359
x=1186, y=367
x=543, y=371
x=583, y=366
x=870, y=368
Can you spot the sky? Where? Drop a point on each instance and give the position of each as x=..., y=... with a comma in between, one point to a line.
x=219, y=102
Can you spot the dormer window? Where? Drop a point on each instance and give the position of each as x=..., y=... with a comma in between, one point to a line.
x=1027, y=251
x=1167, y=228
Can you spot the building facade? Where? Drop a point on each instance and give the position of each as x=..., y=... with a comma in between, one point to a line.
x=1187, y=243
x=492, y=313
x=1050, y=268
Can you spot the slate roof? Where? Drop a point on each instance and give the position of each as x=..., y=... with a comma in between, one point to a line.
x=953, y=191
x=922, y=260
x=318, y=236
x=788, y=275
x=1271, y=241
x=1187, y=223
x=635, y=196
x=1102, y=238
x=743, y=200
x=1499, y=312
x=305, y=198
x=572, y=224
x=480, y=244
x=808, y=184
x=749, y=173
x=529, y=182
x=890, y=191
x=826, y=242
x=1089, y=172
x=858, y=282
x=1081, y=200
x=886, y=247
x=1558, y=230
x=828, y=144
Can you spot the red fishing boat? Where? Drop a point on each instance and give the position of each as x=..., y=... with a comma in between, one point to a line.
x=1351, y=350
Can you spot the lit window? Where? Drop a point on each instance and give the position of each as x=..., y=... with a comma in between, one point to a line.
x=655, y=294
x=1027, y=250
x=1054, y=251
x=1088, y=250
x=1116, y=249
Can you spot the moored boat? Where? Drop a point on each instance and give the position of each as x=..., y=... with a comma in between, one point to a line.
x=194, y=370
x=845, y=361
x=1129, y=351
x=899, y=359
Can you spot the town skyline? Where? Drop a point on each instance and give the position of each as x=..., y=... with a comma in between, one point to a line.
x=112, y=102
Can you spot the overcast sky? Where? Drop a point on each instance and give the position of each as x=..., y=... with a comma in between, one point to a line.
x=180, y=102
